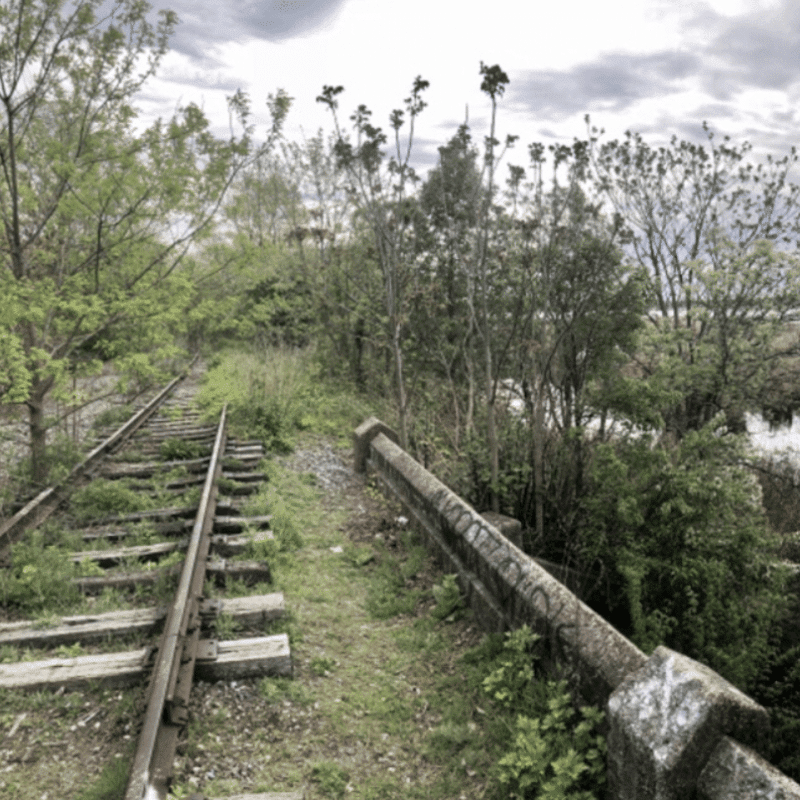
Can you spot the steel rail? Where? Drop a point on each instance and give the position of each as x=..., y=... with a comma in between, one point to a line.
x=170, y=682
x=37, y=510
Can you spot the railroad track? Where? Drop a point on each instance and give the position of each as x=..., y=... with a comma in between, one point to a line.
x=199, y=535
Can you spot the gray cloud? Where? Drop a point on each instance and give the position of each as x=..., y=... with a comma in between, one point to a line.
x=757, y=50
x=205, y=23
x=612, y=82
x=724, y=56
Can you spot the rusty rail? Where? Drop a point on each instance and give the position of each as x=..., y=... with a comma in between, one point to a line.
x=168, y=693
x=47, y=501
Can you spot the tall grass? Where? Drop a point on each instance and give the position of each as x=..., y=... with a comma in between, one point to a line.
x=275, y=393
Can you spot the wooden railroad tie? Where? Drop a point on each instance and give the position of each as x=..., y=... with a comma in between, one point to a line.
x=240, y=658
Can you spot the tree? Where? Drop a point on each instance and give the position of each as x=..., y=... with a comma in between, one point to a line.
x=381, y=193
x=481, y=284
x=449, y=203
x=96, y=218
x=715, y=232
x=582, y=309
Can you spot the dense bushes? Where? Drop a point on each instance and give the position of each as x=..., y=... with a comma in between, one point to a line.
x=682, y=540
x=669, y=540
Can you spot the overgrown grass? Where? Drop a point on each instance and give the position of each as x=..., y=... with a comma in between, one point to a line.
x=111, y=783
x=102, y=498
x=40, y=579
x=113, y=417
x=274, y=394
x=376, y=638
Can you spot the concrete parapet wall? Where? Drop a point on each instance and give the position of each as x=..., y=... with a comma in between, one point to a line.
x=669, y=717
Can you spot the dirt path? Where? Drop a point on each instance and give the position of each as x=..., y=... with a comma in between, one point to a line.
x=373, y=671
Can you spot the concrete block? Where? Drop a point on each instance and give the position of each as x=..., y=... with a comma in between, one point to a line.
x=363, y=435
x=735, y=772
x=665, y=721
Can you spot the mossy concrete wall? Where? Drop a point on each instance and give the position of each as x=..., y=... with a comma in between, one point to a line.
x=669, y=717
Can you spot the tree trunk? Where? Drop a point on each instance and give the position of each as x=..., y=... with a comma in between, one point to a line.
x=538, y=464
x=491, y=424
x=38, y=431
x=401, y=386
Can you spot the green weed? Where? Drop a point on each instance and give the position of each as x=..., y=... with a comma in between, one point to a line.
x=225, y=626
x=449, y=600
x=358, y=556
x=276, y=690
x=180, y=450
x=387, y=594
x=103, y=498
x=113, y=416
x=69, y=650
x=545, y=747
x=322, y=666
x=40, y=579
x=331, y=778
x=111, y=783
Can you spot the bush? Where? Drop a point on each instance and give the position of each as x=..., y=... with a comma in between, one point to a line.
x=104, y=497
x=40, y=578
x=681, y=536
x=182, y=450
x=549, y=749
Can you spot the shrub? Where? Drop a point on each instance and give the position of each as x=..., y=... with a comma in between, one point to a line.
x=103, y=497
x=330, y=778
x=551, y=749
x=180, y=450
x=40, y=578
x=687, y=553
x=553, y=758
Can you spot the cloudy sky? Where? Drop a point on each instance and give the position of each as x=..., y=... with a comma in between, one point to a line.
x=659, y=67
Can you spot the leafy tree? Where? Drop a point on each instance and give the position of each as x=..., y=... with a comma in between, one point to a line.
x=566, y=317
x=96, y=218
x=381, y=193
x=493, y=85
x=714, y=231
x=449, y=203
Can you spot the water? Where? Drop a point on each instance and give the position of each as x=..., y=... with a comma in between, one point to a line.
x=781, y=441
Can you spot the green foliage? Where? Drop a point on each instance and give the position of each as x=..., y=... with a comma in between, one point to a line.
x=553, y=757
x=276, y=690
x=225, y=626
x=104, y=497
x=540, y=744
x=62, y=454
x=113, y=416
x=682, y=535
x=322, y=666
x=358, y=556
x=98, y=214
x=265, y=394
x=331, y=778
x=15, y=377
x=511, y=680
x=111, y=783
x=387, y=594
x=181, y=450
x=284, y=527
x=450, y=604
x=709, y=226
x=40, y=579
